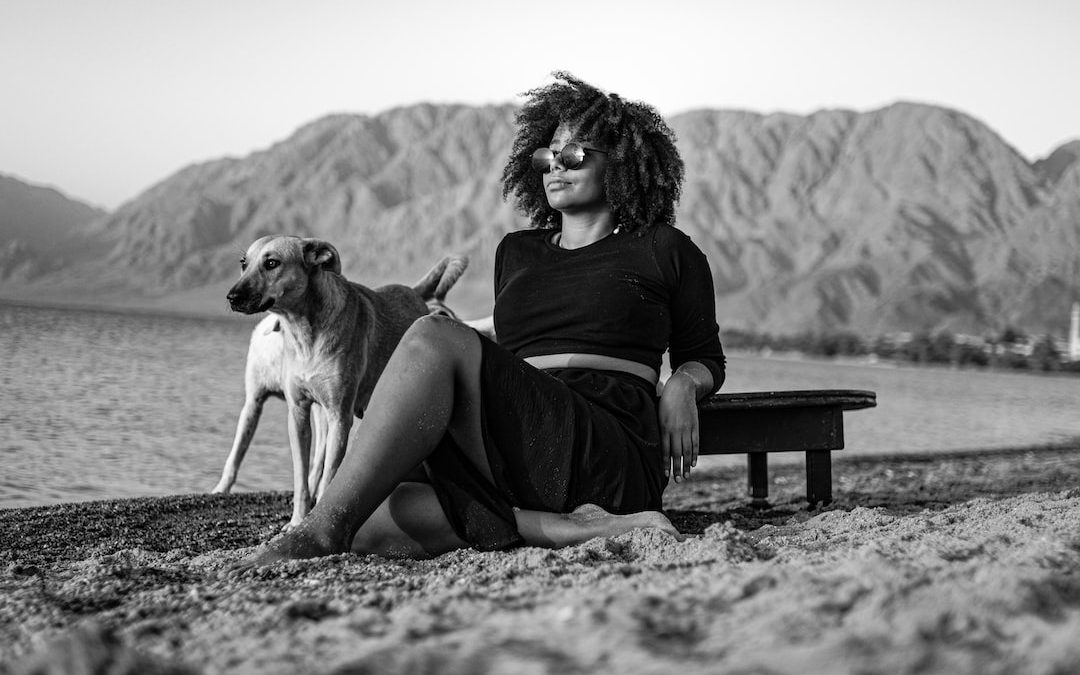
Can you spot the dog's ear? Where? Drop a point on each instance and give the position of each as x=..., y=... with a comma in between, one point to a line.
x=321, y=254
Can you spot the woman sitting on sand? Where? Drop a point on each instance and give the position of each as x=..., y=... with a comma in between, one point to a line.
x=555, y=434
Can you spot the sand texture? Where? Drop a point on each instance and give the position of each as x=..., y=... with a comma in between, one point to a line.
x=957, y=563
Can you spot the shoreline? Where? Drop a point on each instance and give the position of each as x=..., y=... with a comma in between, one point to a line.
x=146, y=309
x=893, y=364
x=956, y=563
x=224, y=316
x=787, y=464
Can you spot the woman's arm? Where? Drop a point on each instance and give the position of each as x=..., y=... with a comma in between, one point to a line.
x=679, y=437
x=484, y=326
x=696, y=354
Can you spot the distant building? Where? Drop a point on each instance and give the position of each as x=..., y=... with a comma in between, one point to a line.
x=1074, y=333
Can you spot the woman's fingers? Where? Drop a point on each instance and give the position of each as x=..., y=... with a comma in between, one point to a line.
x=676, y=458
x=680, y=454
x=688, y=448
x=680, y=445
x=665, y=454
x=695, y=443
x=687, y=454
x=695, y=437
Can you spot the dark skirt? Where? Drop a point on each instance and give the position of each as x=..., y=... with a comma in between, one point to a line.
x=555, y=439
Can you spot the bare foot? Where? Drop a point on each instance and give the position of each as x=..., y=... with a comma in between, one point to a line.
x=298, y=543
x=592, y=518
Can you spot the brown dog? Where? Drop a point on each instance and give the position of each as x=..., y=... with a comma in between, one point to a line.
x=263, y=379
x=336, y=337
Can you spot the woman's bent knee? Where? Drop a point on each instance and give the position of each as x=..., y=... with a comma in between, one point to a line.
x=434, y=336
x=410, y=523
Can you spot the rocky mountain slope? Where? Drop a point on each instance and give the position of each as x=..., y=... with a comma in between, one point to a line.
x=908, y=217
x=42, y=231
x=905, y=218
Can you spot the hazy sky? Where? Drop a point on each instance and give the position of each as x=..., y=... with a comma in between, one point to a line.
x=101, y=99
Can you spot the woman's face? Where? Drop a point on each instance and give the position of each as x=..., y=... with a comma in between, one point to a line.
x=575, y=190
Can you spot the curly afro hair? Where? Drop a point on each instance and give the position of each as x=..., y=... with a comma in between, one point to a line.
x=644, y=173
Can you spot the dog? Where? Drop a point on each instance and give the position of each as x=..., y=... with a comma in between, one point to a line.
x=263, y=376
x=263, y=379
x=331, y=338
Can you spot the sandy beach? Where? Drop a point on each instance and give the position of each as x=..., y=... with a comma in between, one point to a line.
x=956, y=563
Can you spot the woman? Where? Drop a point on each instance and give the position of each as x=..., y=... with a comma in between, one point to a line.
x=555, y=434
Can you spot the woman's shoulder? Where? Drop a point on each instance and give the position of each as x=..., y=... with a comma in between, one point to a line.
x=526, y=242
x=676, y=255
x=668, y=238
x=531, y=234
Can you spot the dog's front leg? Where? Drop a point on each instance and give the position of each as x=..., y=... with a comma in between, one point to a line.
x=300, y=444
x=339, y=423
x=318, y=450
x=245, y=429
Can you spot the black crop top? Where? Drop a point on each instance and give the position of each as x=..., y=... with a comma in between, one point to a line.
x=626, y=296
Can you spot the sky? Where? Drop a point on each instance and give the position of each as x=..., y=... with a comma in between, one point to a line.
x=104, y=98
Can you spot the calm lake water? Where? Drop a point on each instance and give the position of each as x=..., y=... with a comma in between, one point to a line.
x=98, y=405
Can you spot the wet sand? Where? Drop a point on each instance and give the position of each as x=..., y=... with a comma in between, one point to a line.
x=958, y=563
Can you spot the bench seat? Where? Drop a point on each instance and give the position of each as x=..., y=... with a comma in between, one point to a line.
x=759, y=422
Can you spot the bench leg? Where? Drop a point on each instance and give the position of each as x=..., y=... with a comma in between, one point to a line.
x=818, y=477
x=758, y=485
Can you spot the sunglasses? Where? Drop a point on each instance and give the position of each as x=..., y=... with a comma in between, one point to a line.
x=571, y=156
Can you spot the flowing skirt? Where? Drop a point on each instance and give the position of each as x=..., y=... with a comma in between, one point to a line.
x=555, y=439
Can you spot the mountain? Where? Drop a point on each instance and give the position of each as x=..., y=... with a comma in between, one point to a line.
x=908, y=217
x=393, y=193
x=905, y=218
x=42, y=231
x=1059, y=161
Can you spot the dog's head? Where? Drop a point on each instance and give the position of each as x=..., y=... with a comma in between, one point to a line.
x=276, y=270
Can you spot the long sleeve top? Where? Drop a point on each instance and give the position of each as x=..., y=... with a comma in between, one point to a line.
x=627, y=295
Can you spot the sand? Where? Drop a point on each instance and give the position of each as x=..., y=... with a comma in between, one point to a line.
x=961, y=563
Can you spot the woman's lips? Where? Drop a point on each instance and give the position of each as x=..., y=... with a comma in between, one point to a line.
x=558, y=184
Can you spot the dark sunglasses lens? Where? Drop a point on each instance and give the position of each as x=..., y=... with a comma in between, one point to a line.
x=542, y=159
x=572, y=155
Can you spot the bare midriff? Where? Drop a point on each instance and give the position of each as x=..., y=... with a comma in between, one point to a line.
x=594, y=361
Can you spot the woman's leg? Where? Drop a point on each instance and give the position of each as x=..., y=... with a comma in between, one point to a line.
x=555, y=530
x=410, y=523
x=430, y=387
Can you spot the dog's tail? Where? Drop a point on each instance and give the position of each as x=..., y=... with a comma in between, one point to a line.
x=441, y=278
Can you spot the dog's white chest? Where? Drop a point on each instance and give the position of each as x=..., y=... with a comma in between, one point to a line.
x=316, y=380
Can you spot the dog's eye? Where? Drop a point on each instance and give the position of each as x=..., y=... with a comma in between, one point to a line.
x=243, y=264
x=270, y=263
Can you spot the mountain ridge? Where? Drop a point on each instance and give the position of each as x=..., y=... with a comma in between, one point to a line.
x=43, y=230
x=909, y=217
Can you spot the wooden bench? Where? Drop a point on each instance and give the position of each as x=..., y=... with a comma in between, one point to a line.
x=760, y=422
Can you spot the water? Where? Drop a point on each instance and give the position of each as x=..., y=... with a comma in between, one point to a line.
x=930, y=409
x=99, y=405
x=96, y=405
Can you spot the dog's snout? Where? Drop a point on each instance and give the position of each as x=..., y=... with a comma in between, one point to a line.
x=243, y=298
x=235, y=294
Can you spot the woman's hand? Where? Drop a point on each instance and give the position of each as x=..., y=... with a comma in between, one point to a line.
x=679, y=438
x=484, y=326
